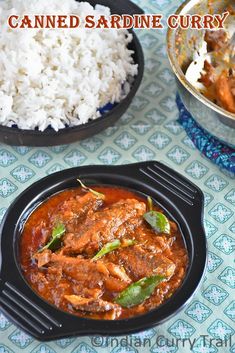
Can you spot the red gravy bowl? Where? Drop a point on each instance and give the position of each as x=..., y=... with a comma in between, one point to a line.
x=104, y=260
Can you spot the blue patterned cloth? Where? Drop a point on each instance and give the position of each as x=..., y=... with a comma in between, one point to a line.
x=209, y=146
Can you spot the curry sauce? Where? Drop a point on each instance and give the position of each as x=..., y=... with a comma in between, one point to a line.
x=220, y=89
x=89, y=253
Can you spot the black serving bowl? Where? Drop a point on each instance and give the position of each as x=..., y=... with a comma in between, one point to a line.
x=19, y=137
x=182, y=201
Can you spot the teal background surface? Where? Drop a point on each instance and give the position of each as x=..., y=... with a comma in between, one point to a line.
x=148, y=131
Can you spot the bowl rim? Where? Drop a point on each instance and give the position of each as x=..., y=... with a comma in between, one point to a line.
x=104, y=117
x=168, y=186
x=171, y=34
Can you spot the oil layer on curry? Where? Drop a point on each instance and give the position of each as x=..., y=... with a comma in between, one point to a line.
x=102, y=253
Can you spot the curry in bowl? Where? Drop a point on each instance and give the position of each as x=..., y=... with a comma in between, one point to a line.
x=213, y=70
x=103, y=253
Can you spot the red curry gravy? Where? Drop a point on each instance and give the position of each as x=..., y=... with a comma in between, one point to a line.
x=68, y=276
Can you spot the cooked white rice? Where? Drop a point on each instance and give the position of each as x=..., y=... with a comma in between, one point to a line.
x=60, y=77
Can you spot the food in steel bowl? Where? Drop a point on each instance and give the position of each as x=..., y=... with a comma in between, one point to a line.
x=102, y=253
x=213, y=70
x=60, y=78
x=184, y=48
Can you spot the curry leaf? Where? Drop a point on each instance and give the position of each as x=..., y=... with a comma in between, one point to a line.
x=150, y=203
x=116, y=244
x=128, y=242
x=96, y=193
x=107, y=249
x=158, y=221
x=139, y=291
x=56, y=236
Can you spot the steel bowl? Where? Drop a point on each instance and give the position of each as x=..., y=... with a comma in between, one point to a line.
x=181, y=45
